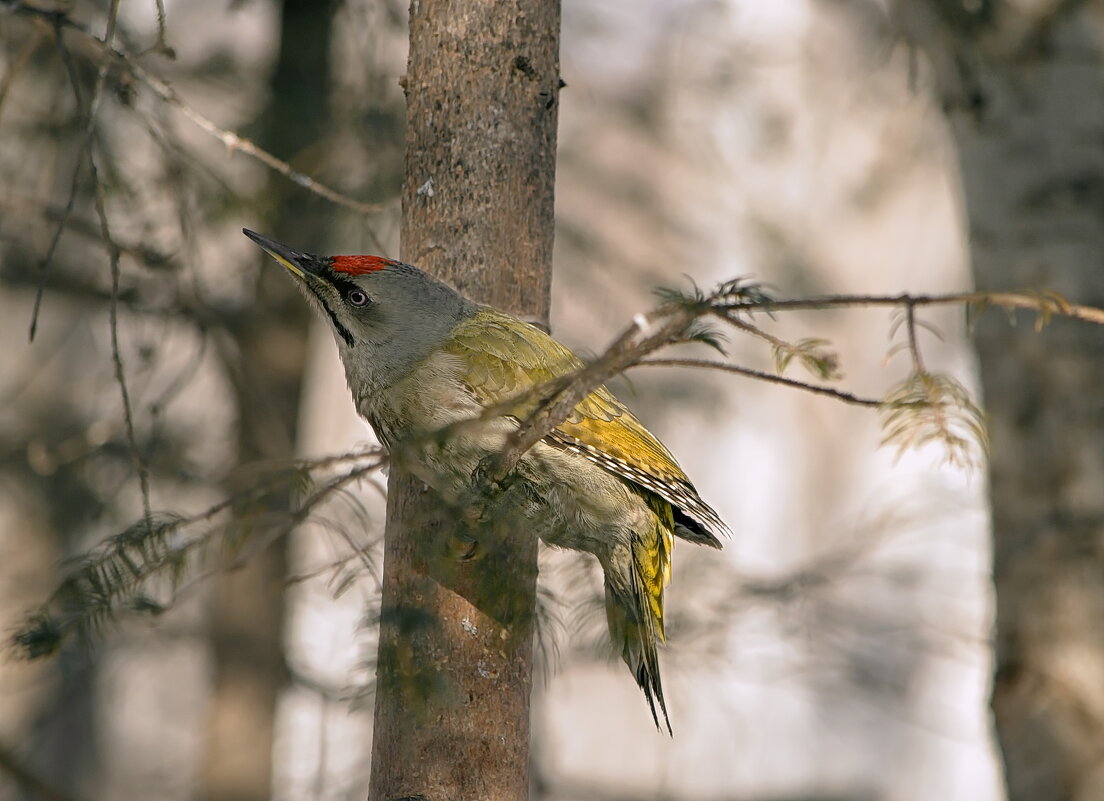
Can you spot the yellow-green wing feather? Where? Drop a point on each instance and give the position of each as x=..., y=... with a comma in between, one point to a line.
x=506, y=357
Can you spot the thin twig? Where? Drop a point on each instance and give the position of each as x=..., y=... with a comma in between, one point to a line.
x=1008, y=300
x=112, y=589
x=116, y=353
x=74, y=182
x=754, y=330
x=235, y=142
x=377, y=458
x=42, y=211
x=288, y=523
x=162, y=45
x=20, y=61
x=647, y=333
x=914, y=346
x=771, y=378
x=113, y=258
x=231, y=140
x=168, y=94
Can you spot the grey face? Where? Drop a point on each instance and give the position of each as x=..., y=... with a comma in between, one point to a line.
x=385, y=315
x=338, y=296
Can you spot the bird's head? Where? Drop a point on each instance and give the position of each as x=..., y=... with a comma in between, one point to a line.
x=385, y=315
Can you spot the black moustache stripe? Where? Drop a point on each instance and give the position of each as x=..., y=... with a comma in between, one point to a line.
x=342, y=330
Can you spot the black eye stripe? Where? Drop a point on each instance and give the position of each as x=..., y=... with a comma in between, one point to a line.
x=347, y=287
x=342, y=285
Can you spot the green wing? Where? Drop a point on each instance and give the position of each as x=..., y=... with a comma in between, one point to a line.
x=506, y=357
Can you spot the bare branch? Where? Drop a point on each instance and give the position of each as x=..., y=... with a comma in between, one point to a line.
x=1045, y=303
x=914, y=347
x=162, y=43
x=946, y=409
x=22, y=58
x=771, y=378
x=41, y=211
x=88, y=149
x=648, y=332
x=233, y=141
x=74, y=182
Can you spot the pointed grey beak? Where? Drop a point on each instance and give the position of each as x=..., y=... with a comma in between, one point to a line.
x=293, y=260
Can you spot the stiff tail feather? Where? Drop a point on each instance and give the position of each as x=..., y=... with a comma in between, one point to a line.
x=634, y=611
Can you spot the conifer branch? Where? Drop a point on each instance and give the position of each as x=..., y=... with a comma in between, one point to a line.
x=151, y=565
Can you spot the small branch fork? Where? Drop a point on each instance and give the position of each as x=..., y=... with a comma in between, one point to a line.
x=670, y=323
x=1047, y=304
x=233, y=142
x=648, y=333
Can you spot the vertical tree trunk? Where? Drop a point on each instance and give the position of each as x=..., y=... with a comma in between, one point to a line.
x=246, y=626
x=454, y=672
x=1025, y=85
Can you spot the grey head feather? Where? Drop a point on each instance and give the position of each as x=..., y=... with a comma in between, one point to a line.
x=386, y=316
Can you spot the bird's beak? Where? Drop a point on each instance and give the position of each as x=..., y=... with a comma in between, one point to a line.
x=293, y=260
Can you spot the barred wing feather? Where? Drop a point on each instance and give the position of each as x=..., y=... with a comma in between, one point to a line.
x=504, y=361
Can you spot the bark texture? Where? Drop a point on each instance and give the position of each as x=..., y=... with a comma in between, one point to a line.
x=1024, y=88
x=455, y=658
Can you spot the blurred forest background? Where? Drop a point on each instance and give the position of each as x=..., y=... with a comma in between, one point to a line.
x=841, y=647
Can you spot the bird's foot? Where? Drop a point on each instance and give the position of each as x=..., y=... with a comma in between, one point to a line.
x=463, y=547
x=484, y=480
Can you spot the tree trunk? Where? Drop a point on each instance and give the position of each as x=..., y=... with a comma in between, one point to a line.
x=247, y=620
x=455, y=658
x=1027, y=100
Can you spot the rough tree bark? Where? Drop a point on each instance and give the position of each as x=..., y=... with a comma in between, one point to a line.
x=1023, y=85
x=246, y=627
x=455, y=658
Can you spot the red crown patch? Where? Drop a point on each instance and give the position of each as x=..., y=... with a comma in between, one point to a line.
x=359, y=265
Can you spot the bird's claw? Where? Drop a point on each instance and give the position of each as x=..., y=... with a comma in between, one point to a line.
x=463, y=548
x=482, y=476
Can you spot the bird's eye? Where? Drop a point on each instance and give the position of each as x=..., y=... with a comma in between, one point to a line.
x=356, y=297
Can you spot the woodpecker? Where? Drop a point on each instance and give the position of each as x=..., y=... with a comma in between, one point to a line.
x=419, y=356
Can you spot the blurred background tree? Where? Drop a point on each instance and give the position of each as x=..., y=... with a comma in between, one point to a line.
x=1022, y=85
x=840, y=649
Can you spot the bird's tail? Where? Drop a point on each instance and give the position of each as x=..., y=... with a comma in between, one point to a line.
x=634, y=611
